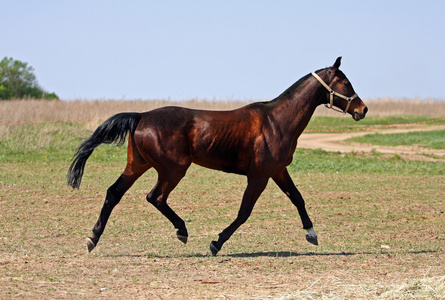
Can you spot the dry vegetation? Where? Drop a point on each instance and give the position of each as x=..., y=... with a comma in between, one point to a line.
x=390, y=107
x=385, y=240
x=41, y=110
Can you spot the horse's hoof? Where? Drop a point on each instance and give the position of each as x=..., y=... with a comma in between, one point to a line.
x=311, y=236
x=90, y=244
x=182, y=238
x=312, y=239
x=214, y=248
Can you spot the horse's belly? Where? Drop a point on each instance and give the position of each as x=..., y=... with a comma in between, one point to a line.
x=222, y=163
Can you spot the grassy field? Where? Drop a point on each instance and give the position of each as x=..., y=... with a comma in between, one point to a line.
x=380, y=221
x=434, y=139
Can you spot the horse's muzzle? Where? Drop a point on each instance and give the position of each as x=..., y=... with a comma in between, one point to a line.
x=360, y=114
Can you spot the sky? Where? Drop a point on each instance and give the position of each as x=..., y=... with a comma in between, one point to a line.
x=225, y=50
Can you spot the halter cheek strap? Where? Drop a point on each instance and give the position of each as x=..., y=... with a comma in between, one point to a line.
x=333, y=93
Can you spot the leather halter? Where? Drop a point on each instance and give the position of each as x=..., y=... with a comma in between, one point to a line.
x=334, y=93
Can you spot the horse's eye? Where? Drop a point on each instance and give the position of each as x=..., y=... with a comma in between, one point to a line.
x=346, y=82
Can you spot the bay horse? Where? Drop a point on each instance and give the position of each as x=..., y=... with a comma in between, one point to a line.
x=257, y=140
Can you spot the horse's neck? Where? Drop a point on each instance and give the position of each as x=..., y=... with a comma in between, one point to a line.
x=295, y=110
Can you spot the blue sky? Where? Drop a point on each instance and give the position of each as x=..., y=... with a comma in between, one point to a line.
x=223, y=50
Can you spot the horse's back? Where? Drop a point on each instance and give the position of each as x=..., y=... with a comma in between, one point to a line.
x=221, y=140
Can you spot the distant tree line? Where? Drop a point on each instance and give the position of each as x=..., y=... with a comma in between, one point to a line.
x=17, y=81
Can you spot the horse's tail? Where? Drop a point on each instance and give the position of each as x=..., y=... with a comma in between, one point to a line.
x=113, y=130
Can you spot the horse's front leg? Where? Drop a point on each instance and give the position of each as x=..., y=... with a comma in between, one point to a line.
x=284, y=181
x=254, y=189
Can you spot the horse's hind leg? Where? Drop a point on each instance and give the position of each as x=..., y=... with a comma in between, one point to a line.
x=136, y=166
x=158, y=197
x=114, y=195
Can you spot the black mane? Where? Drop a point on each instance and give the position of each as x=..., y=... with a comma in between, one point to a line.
x=293, y=87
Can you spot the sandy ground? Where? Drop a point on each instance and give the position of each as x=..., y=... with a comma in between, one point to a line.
x=338, y=142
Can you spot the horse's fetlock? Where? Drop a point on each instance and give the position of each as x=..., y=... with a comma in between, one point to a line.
x=180, y=224
x=307, y=224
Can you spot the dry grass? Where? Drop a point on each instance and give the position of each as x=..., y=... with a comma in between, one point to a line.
x=425, y=288
x=390, y=107
x=41, y=110
x=43, y=225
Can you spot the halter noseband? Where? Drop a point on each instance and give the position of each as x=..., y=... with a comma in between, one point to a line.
x=334, y=93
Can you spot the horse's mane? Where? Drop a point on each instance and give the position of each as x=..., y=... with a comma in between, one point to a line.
x=295, y=86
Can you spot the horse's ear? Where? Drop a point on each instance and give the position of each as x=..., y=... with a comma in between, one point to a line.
x=337, y=63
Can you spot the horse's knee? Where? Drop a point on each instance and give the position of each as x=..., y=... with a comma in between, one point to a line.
x=155, y=201
x=151, y=200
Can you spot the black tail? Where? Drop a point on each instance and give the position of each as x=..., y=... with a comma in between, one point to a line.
x=113, y=130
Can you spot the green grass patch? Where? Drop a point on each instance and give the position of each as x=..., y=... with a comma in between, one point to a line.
x=51, y=142
x=320, y=161
x=426, y=139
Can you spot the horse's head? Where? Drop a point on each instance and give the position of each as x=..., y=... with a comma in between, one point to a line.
x=340, y=92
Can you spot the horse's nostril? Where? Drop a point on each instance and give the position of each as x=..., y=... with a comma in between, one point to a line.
x=365, y=110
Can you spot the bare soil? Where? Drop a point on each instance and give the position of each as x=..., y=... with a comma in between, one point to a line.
x=338, y=142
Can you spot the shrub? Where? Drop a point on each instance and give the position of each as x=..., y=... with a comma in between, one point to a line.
x=17, y=80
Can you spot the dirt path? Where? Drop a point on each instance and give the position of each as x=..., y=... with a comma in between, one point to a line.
x=337, y=142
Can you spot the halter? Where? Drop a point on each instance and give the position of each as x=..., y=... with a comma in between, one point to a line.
x=334, y=93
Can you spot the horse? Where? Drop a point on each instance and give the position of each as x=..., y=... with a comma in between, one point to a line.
x=257, y=141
